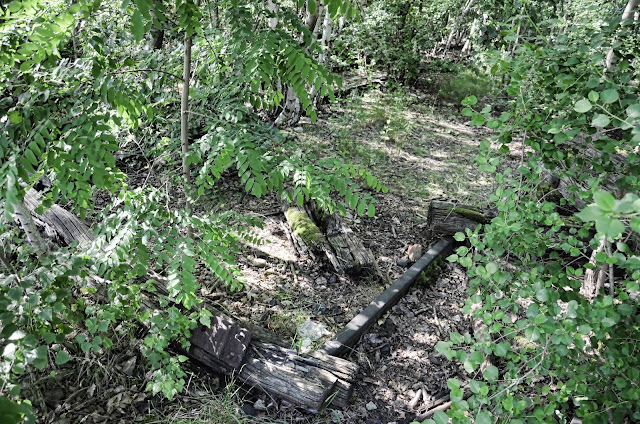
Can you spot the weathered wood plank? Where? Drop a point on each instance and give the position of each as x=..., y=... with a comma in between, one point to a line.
x=225, y=341
x=354, y=258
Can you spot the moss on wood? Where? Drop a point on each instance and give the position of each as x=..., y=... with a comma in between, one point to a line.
x=304, y=227
x=470, y=214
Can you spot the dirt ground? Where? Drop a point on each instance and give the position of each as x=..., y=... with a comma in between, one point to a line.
x=422, y=150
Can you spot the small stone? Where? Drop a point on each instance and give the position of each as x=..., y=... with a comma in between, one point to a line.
x=297, y=129
x=321, y=281
x=414, y=252
x=249, y=410
x=371, y=406
x=258, y=262
x=333, y=279
x=373, y=338
x=129, y=365
x=456, y=318
x=404, y=262
x=259, y=405
x=312, y=330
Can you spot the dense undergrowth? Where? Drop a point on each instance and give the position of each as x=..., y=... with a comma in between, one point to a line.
x=84, y=94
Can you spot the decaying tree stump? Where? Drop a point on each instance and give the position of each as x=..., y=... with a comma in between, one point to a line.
x=449, y=218
x=308, y=237
x=256, y=357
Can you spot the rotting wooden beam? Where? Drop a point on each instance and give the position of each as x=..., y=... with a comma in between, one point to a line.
x=352, y=332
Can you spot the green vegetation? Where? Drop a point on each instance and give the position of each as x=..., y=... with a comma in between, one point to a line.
x=134, y=115
x=461, y=85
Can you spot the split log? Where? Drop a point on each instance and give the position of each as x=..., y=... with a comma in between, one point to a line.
x=350, y=252
x=308, y=236
x=228, y=346
x=58, y=221
x=449, y=218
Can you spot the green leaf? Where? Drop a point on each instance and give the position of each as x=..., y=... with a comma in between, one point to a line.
x=311, y=5
x=609, y=96
x=137, y=26
x=605, y=201
x=633, y=111
x=590, y=213
x=491, y=374
x=593, y=96
x=15, y=117
x=483, y=418
x=492, y=268
x=440, y=417
x=62, y=358
x=501, y=349
x=371, y=211
x=361, y=207
x=600, y=121
x=635, y=224
x=470, y=101
x=582, y=106
x=610, y=227
x=31, y=157
x=459, y=236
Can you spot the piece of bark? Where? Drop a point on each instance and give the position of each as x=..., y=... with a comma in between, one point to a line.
x=449, y=218
x=229, y=346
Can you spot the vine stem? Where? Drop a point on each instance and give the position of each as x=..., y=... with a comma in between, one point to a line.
x=535, y=367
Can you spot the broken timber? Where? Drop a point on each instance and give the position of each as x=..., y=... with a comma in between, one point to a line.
x=350, y=252
x=449, y=218
x=255, y=357
x=308, y=237
x=356, y=328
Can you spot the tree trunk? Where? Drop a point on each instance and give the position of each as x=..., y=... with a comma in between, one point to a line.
x=158, y=34
x=456, y=24
x=291, y=111
x=184, y=124
x=216, y=14
x=467, y=45
x=628, y=13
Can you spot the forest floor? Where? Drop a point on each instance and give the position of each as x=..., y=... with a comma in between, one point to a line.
x=422, y=149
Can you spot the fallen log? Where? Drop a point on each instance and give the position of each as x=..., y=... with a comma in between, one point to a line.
x=256, y=357
x=449, y=218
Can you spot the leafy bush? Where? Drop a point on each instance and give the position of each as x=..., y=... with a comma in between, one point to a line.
x=561, y=348
x=456, y=88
